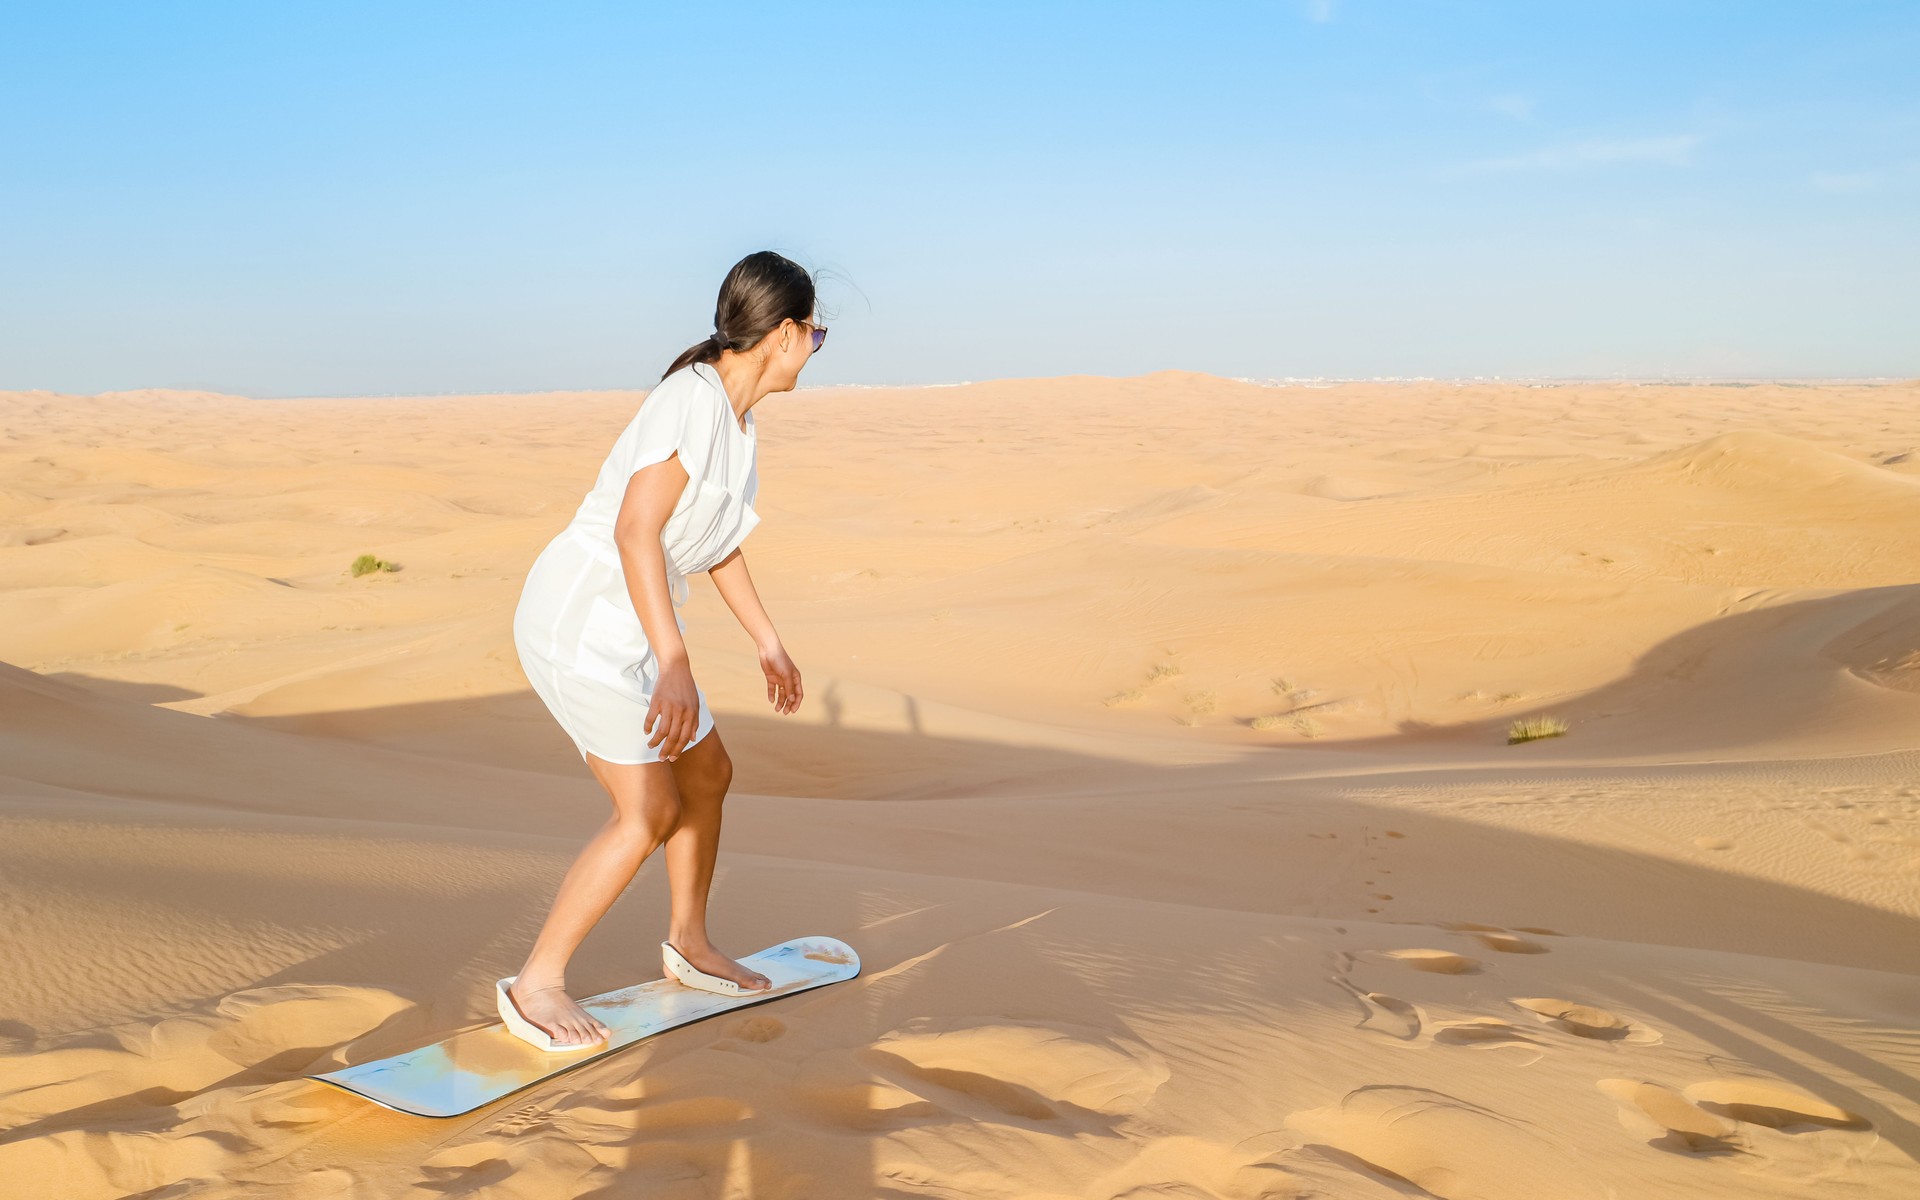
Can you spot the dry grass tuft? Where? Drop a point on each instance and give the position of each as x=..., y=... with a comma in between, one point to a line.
x=1527, y=729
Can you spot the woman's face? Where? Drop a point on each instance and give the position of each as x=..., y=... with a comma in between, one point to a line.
x=789, y=346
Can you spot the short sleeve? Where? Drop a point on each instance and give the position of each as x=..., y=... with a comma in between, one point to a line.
x=670, y=420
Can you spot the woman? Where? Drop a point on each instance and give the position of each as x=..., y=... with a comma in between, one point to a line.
x=599, y=636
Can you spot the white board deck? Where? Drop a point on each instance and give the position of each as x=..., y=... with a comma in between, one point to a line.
x=479, y=1066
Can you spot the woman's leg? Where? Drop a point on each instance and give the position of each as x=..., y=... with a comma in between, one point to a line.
x=702, y=774
x=646, y=807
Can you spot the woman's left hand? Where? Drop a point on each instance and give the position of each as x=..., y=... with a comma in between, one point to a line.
x=783, y=678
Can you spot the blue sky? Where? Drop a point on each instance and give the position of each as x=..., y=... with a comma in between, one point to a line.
x=301, y=199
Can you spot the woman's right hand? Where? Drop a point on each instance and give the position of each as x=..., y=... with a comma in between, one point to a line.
x=674, y=715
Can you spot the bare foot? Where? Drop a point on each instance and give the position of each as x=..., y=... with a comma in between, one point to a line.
x=550, y=1009
x=704, y=957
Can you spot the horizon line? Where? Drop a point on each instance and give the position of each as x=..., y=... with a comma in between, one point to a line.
x=1272, y=381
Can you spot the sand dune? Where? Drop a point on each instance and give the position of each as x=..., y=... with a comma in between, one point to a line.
x=1154, y=757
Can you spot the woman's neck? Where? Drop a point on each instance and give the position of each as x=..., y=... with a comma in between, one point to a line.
x=742, y=380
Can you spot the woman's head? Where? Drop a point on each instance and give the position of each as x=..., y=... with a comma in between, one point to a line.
x=765, y=311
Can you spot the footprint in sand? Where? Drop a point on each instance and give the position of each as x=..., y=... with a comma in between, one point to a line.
x=1509, y=943
x=1668, y=1120
x=1827, y=831
x=1389, y=1015
x=1406, y=1021
x=1384, y=1014
x=1393, y=1140
x=1437, y=962
x=1080, y=1077
x=1770, y=1103
x=1487, y=1033
x=1481, y=1031
x=1588, y=1021
x=1497, y=937
x=759, y=1029
x=1708, y=1117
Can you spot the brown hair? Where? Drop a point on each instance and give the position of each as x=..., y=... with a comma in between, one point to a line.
x=762, y=290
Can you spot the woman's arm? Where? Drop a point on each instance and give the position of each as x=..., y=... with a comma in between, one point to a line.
x=652, y=491
x=730, y=576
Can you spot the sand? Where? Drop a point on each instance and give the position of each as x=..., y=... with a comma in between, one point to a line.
x=1154, y=757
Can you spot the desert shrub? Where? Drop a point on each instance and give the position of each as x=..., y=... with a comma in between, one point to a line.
x=1527, y=729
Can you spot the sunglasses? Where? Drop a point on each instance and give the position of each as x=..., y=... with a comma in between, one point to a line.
x=819, y=335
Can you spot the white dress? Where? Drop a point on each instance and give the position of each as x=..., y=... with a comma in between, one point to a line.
x=579, y=639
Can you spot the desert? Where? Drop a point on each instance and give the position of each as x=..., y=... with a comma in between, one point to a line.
x=1156, y=757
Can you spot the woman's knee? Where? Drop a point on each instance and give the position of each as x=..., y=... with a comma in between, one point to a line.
x=707, y=774
x=650, y=820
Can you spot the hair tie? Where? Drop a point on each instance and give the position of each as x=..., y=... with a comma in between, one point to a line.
x=718, y=338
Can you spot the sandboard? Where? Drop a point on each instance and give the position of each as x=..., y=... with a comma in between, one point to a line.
x=470, y=1069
